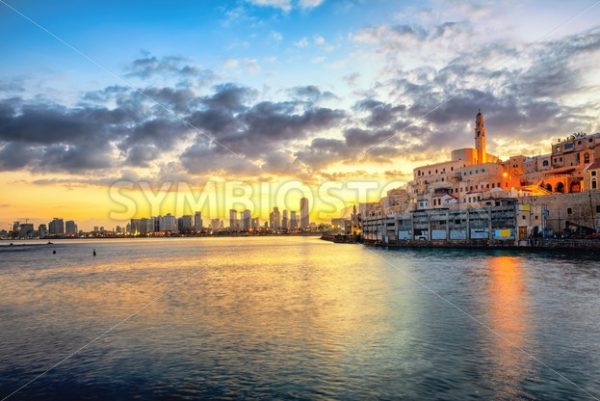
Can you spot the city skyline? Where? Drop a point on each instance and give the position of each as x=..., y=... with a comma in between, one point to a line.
x=275, y=91
x=239, y=221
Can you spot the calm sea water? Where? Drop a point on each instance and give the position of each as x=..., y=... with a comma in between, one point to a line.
x=295, y=319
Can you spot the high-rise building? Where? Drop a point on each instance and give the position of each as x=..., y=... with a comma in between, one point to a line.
x=168, y=224
x=16, y=227
x=284, y=221
x=233, y=220
x=304, y=219
x=42, y=231
x=25, y=230
x=255, y=224
x=246, y=220
x=147, y=226
x=216, y=224
x=185, y=223
x=293, y=221
x=275, y=219
x=135, y=226
x=71, y=228
x=56, y=227
x=198, y=221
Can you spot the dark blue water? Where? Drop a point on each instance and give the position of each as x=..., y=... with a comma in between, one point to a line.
x=295, y=319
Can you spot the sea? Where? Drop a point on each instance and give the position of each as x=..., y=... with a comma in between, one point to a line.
x=295, y=318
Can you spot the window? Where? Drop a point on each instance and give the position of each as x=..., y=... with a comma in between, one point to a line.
x=597, y=208
x=545, y=163
x=586, y=158
x=483, y=170
x=523, y=217
x=569, y=211
x=594, y=184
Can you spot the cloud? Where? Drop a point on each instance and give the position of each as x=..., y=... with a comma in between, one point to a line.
x=149, y=66
x=431, y=78
x=287, y=5
x=276, y=36
x=309, y=3
x=301, y=43
x=311, y=93
x=284, y=5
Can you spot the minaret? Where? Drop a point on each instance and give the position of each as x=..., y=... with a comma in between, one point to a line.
x=480, y=138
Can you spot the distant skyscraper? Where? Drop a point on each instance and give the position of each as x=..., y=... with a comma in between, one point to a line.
x=56, y=227
x=146, y=225
x=25, y=230
x=135, y=226
x=233, y=220
x=246, y=220
x=168, y=223
x=275, y=219
x=198, y=221
x=42, y=231
x=284, y=220
x=71, y=228
x=304, y=220
x=216, y=224
x=185, y=223
x=293, y=221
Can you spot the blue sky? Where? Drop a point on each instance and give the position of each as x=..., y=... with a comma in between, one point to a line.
x=207, y=32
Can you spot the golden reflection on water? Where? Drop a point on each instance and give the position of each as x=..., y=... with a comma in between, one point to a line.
x=509, y=320
x=283, y=290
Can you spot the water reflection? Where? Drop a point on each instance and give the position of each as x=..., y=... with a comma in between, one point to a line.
x=509, y=320
x=293, y=318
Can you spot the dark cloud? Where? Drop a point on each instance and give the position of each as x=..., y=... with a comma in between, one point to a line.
x=380, y=114
x=228, y=129
x=148, y=66
x=312, y=93
x=260, y=133
x=14, y=156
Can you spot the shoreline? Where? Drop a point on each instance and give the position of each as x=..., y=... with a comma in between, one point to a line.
x=536, y=245
x=241, y=235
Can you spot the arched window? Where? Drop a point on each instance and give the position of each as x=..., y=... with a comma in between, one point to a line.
x=560, y=187
x=545, y=163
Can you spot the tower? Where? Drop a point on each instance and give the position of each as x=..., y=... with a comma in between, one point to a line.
x=304, y=219
x=480, y=138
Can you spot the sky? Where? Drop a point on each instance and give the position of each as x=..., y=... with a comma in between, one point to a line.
x=111, y=110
